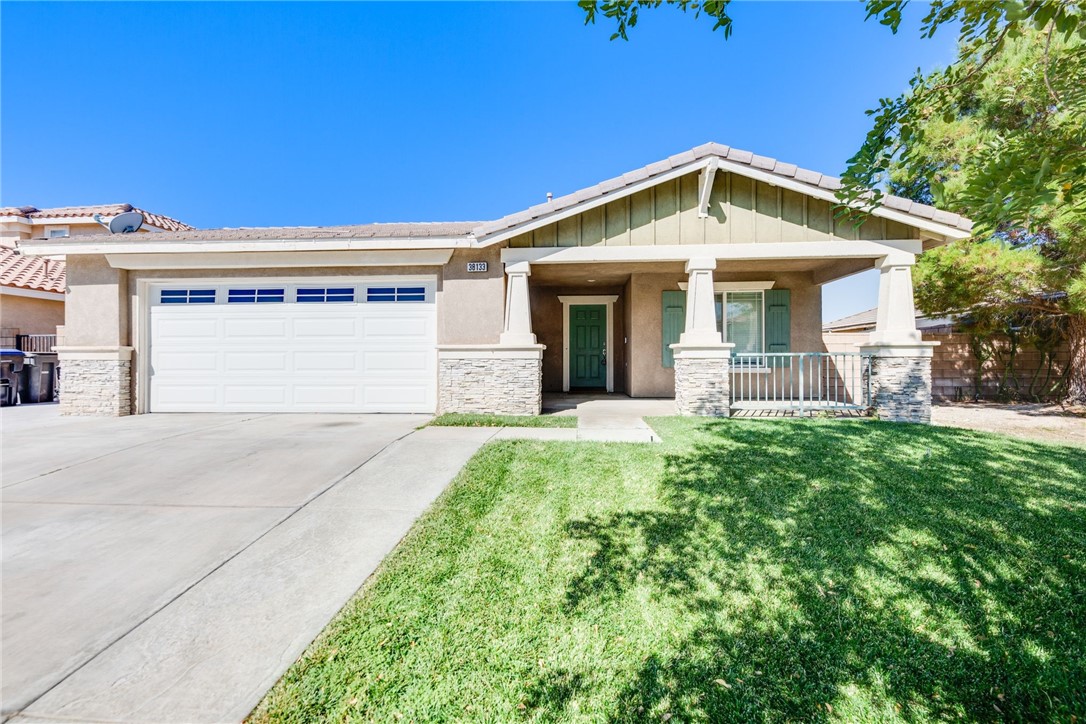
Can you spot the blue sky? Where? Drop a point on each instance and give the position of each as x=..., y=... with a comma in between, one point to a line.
x=256, y=114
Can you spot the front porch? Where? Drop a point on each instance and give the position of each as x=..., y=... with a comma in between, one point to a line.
x=719, y=336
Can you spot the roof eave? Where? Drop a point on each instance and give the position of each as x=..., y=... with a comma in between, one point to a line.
x=75, y=246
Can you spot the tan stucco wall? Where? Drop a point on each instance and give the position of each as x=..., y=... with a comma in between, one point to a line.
x=97, y=310
x=548, y=321
x=649, y=378
x=472, y=308
x=29, y=315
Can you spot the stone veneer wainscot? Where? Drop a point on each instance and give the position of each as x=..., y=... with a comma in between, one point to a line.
x=490, y=379
x=901, y=382
x=95, y=382
x=702, y=379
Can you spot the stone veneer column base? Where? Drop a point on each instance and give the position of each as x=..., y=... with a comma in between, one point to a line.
x=702, y=379
x=490, y=379
x=901, y=381
x=95, y=381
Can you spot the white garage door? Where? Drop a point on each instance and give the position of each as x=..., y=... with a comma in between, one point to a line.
x=313, y=346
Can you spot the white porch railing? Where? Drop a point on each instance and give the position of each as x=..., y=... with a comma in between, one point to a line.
x=800, y=381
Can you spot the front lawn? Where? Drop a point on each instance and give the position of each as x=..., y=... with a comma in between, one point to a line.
x=742, y=570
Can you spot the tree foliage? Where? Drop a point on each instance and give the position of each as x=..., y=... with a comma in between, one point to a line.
x=998, y=135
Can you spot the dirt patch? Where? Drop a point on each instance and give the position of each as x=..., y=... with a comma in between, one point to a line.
x=1047, y=423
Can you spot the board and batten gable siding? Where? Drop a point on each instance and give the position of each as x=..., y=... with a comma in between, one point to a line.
x=741, y=211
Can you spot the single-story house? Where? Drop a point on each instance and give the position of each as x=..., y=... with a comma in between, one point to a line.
x=665, y=281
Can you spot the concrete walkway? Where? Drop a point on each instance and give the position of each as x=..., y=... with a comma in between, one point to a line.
x=600, y=417
x=169, y=568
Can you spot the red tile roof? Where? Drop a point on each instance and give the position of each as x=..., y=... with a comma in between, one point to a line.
x=31, y=272
x=108, y=210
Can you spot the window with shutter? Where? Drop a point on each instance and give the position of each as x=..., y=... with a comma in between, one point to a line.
x=778, y=321
x=674, y=322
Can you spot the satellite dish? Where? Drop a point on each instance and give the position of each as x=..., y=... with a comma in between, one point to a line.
x=126, y=223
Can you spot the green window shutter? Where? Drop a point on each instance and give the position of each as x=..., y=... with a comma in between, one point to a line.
x=674, y=322
x=778, y=320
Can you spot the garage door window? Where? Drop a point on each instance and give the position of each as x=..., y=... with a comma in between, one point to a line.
x=187, y=296
x=245, y=296
x=396, y=294
x=330, y=294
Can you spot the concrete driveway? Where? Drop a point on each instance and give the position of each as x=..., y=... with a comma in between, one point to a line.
x=170, y=567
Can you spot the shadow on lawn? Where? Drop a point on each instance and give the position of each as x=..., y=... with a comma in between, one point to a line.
x=883, y=570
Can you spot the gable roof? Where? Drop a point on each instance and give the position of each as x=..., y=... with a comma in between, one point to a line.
x=31, y=272
x=730, y=159
x=63, y=212
x=475, y=233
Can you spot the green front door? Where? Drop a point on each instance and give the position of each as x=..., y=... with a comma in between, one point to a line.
x=587, y=345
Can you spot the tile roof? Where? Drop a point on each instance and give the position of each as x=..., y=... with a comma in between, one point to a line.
x=421, y=230
x=31, y=272
x=31, y=212
x=812, y=179
x=482, y=229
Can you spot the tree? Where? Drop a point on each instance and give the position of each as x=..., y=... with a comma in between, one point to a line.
x=998, y=135
x=1024, y=275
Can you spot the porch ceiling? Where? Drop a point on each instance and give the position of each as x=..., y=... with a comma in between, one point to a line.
x=617, y=273
x=601, y=274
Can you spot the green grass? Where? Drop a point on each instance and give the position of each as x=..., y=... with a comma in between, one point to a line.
x=461, y=419
x=743, y=570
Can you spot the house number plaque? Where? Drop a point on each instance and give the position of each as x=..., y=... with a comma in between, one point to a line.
x=477, y=266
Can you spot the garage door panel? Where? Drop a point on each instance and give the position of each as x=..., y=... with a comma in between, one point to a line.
x=398, y=361
x=252, y=327
x=345, y=396
x=324, y=361
x=396, y=327
x=329, y=328
x=176, y=328
x=186, y=362
x=256, y=361
x=327, y=354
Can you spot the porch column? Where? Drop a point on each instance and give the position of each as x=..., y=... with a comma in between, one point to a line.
x=901, y=361
x=518, y=307
x=700, y=304
x=896, y=320
x=702, y=358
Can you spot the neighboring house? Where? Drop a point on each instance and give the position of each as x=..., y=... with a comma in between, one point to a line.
x=28, y=222
x=31, y=301
x=956, y=373
x=32, y=288
x=864, y=323
x=650, y=284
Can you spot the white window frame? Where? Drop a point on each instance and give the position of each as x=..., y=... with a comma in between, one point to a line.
x=723, y=297
x=720, y=289
x=65, y=232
